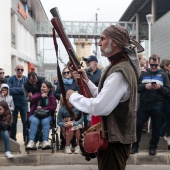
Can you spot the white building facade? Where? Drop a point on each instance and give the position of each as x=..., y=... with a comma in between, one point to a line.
x=18, y=42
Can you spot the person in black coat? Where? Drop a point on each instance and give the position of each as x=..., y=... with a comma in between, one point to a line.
x=32, y=85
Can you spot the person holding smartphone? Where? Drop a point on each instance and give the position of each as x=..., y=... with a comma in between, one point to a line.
x=153, y=86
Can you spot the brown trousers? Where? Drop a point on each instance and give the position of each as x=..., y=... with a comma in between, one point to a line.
x=114, y=157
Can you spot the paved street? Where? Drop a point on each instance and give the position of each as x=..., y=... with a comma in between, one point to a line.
x=59, y=161
x=84, y=167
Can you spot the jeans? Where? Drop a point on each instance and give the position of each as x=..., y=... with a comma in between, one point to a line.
x=23, y=113
x=145, y=111
x=166, y=115
x=38, y=136
x=5, y=136
x=34, y=122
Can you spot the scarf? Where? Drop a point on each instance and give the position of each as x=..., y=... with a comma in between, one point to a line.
x=67, y=81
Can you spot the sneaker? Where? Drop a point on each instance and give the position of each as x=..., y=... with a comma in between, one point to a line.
x=46, y=144
x=67, y=150
x=152, y=151
x=40, y=145
x=134, y=150
x=77, y=150
x=8, y=154
x=168, y=140
x=31, y=144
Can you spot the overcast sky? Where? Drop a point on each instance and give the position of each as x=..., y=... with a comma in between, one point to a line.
x=79, y=10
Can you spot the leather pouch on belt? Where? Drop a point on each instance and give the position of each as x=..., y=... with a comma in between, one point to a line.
x=93, y=139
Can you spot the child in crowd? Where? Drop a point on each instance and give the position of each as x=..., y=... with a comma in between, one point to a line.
x=68, y=126
x=5, y=125
x=4, y=95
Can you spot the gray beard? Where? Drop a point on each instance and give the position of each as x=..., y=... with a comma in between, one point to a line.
x=90, y=69
x=108, y=49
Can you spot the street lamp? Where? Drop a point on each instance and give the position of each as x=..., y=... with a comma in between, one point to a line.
x=149, y=18
x=96, y=45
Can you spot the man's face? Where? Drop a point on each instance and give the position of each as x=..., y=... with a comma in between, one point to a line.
x=90, y=65
x=107, y=46
x=2, y=73
x=19, y=71
x=33, y=80
x=153, y=65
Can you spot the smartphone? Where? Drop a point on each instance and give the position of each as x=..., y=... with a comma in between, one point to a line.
x=153, y=83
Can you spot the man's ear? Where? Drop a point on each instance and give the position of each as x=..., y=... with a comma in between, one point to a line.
x=113, y=44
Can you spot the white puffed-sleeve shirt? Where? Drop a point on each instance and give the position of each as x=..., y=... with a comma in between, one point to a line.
x=116, y=89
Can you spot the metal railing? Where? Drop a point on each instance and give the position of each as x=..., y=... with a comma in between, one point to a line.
x=83, y=28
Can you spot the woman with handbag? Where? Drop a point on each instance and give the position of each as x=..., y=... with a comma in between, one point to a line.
x=5, y=125
x=42, y=102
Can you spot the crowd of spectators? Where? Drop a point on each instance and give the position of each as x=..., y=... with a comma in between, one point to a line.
x=153, y=106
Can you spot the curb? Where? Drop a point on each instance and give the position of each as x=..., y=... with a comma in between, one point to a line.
x=39, y=159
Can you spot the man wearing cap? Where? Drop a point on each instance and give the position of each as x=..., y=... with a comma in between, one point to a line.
x=92, y=70
x=114, y=99
x=93, y=74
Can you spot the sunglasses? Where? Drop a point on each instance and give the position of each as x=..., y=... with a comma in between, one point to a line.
x=20, y=69
x=67, y=72
x=155, y=65
x=2, y=72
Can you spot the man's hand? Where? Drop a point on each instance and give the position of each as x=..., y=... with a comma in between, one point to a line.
x=156, y=86
x=39, y=107
x=82, y=73
x=148, y=86
x=69, y=93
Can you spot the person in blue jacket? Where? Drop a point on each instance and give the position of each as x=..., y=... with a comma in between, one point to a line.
x=15, y=84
